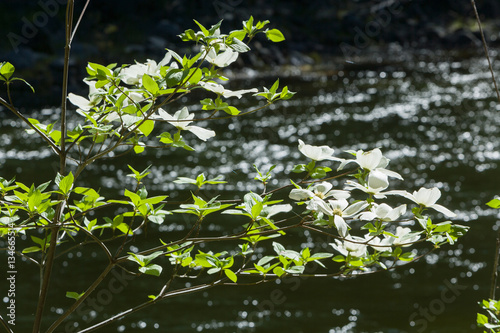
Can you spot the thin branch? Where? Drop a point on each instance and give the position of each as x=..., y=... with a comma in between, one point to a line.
x=5, y=325
x=485, y=46
x=87, y=293
x=51, y=143
x=494, y=273
x=150, y=302
x=79, y=20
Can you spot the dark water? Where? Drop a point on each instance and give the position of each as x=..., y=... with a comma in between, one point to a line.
x=435, y=118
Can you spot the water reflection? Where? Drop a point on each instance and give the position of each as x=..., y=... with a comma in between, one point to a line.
x=438, y=123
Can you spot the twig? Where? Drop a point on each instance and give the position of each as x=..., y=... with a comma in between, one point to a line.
x=473, y=2
x=5, y=325
x=494, y=273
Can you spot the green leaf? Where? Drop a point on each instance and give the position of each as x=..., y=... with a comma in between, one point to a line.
x=150, y=84
x=482, y=319
x=495, y=203
x=274, y=35
x=74, y=295
x=66, y=183
x=154, y=270
x=278, y=271
x=32, y=249
x=196, y=75
x=202, y=28
x=147, y=127
x=6, y=71
x=299, y=168
x=230, y=274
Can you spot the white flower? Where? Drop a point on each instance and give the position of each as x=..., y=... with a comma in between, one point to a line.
x=321, y=190
x=383, y=212
x=339, y=209
x=87, y=104
x=181, y=120
x=404, y=237
x=317, y=153
x=220, y=90
x=223, y=58
x=372, y=161
x=133, y=74
x=269, y=211
x=352, y=245
x=381, y=245
x=427, y=198
x=377, y=182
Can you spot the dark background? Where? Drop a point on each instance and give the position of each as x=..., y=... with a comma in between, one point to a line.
x=32, y=32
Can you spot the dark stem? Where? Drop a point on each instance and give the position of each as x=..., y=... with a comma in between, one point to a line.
x=494, y=273
x=5, y=325
x=44, y=286
x=473, y=2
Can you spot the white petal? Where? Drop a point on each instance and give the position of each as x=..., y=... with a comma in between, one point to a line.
x=368, y=216
x=300, y=194
x=319, y=205
x=355, y=208
x=213, y=87
x=166, y=59
x=377, y=180
x=443, y=210
x=396, y=213
x=238, y=93
x=427, y=197
x=369, y=160
x=225, y=58
x=80, y=101
x=201, y=133
x=338, y=204
x=323, y=187
x=338, y=194
x=317, y=153
x=162, y=114
x=390, y=173
x=341, y=226
x=403, y=194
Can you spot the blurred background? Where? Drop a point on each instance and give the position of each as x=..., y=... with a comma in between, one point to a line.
x=409, y=77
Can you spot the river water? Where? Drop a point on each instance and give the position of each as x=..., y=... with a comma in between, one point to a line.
x=434, y=116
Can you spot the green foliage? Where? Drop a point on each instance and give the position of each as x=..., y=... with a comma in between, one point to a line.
x=133, y=108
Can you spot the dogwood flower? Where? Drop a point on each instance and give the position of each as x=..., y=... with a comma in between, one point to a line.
x=220, y=90
x=181, y=120
x=321, y=190
x=372, y=160
x=404, y=237
x=377, y=182
x=380, y=244
x=383, y=212
x=221, y=59
x=133, y=74
x=317, y=153
x=425, y=197
x=86, y=104
x=352, y=245
x=339, y=209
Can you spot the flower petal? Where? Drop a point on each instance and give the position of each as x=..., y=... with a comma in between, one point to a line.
x=300, y=194
x=201, y=133
x=341, y=226
x=443, y=210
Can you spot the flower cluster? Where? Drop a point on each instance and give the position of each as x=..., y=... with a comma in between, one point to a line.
x=330, y=207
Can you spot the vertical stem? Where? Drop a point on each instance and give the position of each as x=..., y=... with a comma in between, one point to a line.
x=49, y=262
x=473, y=2
x=494, y=273
x=67, y=49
